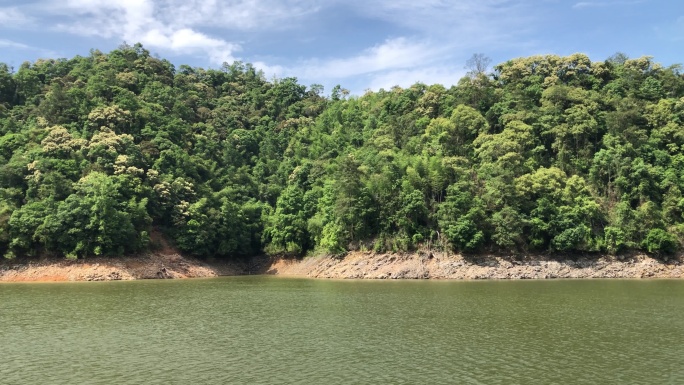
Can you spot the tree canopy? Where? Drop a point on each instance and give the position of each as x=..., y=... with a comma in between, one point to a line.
x=545, y=154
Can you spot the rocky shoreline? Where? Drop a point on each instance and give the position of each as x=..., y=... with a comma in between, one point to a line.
x=442, y=266
x=169, y=264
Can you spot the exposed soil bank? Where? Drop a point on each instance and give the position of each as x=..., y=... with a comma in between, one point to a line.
x=167, y=263
x=440, y=266
x=153, y=265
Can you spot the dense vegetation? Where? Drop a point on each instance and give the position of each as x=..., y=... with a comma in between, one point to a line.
x=546, y=153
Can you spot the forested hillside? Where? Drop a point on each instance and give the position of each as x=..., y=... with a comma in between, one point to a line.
x=544, y=153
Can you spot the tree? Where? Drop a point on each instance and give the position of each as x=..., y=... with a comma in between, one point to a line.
x=287, y=227
x=659, y=241
x=462, y=218
x=545, y=153
x=477, y=64
x=94, y=220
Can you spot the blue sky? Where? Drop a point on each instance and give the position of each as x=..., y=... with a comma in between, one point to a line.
x=360, y=44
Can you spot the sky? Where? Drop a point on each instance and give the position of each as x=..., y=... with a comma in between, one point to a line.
x=359, y=44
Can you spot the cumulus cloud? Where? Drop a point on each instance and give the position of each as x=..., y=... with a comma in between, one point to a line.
x=431, y=38
x=140, y=21
x=174, y=25
x=187, y=41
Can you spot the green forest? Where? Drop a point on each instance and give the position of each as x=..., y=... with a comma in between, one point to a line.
x=541, y=154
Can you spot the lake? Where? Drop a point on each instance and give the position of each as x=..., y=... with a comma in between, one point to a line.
x=268, y=330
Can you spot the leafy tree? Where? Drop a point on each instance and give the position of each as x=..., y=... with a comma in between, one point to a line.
x=659, y=241
x=545, y=153
x=94, y=220
x=461, y=219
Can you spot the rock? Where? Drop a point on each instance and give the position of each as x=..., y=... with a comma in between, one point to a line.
x=114, y=276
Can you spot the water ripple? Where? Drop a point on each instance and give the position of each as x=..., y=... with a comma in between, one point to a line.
x=262, y=330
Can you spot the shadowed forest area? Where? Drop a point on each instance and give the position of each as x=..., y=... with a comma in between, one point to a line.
x=539, y=154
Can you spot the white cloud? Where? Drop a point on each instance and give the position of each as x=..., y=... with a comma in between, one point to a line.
x=428, y=75
x=272, y=70
x=176, y=26
x=236, y=14
x=188, y=41
x=463, y=23
x=600, y=4
x=13, y=17
x=142, y=21
x=430, y=39
x=13, y=44
x=392, y=54
x=440, y=35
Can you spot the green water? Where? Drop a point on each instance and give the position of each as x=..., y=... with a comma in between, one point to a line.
x=265, y=330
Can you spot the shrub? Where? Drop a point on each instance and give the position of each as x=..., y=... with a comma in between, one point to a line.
x=659, y=241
